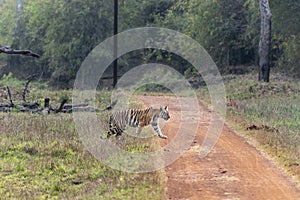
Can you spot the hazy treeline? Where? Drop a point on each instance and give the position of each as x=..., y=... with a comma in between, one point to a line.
x=65, y=31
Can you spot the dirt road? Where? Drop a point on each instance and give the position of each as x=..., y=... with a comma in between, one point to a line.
x=233, y=170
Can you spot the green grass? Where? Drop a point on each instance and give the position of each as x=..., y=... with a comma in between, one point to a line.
x=280, y=112
x=273, y=107
x=42, y=157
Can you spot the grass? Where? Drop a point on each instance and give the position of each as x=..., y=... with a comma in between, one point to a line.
x=42, y=157
x=274, y=109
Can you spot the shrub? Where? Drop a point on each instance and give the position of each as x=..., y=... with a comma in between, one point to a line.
x=289, y=61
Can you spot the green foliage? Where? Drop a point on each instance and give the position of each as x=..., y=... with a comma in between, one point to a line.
x=252, y=33
x=64, y=32
x=285, y=16
x=42, y=157
x=286, y=36
x=7, y=21
x=9, y=80
x=219, y=26
x=289, y=57
x=7, y=24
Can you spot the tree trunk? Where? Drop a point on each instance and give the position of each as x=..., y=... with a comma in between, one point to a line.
x=115, y=63
x=265, y=41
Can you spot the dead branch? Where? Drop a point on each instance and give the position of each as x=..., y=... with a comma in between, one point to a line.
x=29, y=79
x=47, y=103
x=10, y=97
x=61, y=105
x=110, y=106
x=47, y=108
x=71, y=106
x=9, y=50
x=83, y=107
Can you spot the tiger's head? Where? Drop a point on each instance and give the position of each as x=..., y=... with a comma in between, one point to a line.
x=164, y=113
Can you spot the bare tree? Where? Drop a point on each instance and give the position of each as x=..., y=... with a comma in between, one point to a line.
x=265, y=41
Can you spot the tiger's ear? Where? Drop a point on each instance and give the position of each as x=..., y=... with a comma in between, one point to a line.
x=166, y=108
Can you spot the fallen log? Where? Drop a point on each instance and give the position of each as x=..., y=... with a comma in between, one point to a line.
x=82, y=109
x=45, y=108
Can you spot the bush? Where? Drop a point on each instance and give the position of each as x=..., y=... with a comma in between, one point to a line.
x=289, y=61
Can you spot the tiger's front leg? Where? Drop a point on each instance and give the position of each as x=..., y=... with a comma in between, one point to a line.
x=158, y=131
x=139, y=129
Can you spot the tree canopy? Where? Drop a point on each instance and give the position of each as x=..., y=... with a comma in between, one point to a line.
x=63, y=32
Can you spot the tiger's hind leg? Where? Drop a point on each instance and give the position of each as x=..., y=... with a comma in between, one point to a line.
x=109, y=134
x=114, y=131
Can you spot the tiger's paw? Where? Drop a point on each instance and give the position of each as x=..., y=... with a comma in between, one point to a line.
x=103, y=138
x=163, y=137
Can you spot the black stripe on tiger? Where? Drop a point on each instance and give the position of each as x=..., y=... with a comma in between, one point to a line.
x=137, y=118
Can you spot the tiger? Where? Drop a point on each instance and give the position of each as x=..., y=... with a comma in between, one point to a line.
x=137, y=118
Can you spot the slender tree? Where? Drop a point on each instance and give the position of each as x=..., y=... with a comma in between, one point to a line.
x=264, y=48
x=18, y=29
x=115, y=63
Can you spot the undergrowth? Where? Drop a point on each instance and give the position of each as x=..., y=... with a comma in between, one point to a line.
x=268, y=112
x=42, y=157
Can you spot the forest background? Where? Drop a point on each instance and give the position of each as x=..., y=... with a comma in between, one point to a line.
x=65, y=31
